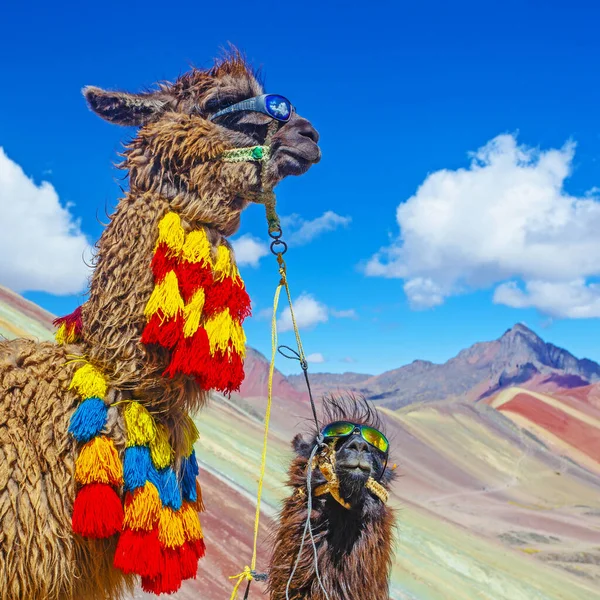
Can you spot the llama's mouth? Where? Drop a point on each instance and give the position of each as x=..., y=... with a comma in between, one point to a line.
x=355, y=466
x=295, y=160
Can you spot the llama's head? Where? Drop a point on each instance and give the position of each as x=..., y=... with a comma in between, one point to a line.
x=357, y=451
x=178, y=150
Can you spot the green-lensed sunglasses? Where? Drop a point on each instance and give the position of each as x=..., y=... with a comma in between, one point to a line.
x=371, y=435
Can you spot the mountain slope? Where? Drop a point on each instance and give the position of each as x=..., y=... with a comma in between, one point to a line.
x=22, y=318
x=518, y=357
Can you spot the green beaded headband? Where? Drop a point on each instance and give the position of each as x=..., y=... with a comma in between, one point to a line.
x=254, y=153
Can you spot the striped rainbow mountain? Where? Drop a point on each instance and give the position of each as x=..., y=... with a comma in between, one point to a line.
x=498, y=451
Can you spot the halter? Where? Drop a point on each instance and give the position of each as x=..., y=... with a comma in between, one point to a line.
x=261, y=154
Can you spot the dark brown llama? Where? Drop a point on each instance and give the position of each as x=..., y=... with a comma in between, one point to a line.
x=351, y=522
x=174, y=165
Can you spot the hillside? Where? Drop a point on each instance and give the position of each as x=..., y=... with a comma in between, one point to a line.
x=488, y=507
x=518, y=357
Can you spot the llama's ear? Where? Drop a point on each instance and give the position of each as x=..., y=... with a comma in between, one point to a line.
x=299, y=445
x=123, y=108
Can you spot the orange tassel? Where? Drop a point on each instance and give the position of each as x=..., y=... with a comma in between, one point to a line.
x=98, y=462
x=191, y=523
x=171, y=528
x=142, y=508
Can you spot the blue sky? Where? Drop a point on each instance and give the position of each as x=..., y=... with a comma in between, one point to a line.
x=402, y=94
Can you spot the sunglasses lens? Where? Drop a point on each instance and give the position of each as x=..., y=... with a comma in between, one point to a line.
x=375, y=438
x=339, y=428
x=278, y=107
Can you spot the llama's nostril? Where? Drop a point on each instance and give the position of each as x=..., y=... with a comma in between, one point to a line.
x=311, y=133
x=305, y=129
x=358, y=445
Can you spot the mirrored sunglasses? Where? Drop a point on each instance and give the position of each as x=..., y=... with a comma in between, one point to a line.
x=276, y=106
x=371, y=435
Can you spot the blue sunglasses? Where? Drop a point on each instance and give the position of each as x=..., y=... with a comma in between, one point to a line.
x=277, y=107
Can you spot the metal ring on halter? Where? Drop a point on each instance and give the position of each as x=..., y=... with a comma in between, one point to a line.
x=278, y=242
x=276, y=233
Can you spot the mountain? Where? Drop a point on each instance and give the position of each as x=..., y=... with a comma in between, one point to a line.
x=22, y=318
x=518, y=357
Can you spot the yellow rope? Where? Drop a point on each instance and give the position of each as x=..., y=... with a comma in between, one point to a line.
x=247, y=573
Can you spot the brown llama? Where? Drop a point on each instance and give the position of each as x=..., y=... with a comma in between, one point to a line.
x=351, y=523
x=176, y=167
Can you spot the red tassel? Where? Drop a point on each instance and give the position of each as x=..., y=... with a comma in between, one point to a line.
x=227, y=293
x=168, y=580
x=191, y=356
x=139, y=552
x=162, y=262
x=192, y=277
x=188, y=561
x=198, y=547
x=165, y=332
x=72, y=320
x=73, y=325
x=97, y=511
x=225, y=372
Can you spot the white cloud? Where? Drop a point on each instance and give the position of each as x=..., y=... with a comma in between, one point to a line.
x=308, y=312
x=315, y=358
x=248, y=250
x=42, y=247
x=303, y=232
x=571, y=299
x=348, y=359
x=504, y=221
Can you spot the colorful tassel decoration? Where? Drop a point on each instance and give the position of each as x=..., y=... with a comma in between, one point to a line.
x=197, y=307
x=97, y=511
x=88, y=420
x=139, y=552
x=188, y=475
x=69, y=328
x=142, y=508
x=98, y=462
x=136, y=467
x=162, y=538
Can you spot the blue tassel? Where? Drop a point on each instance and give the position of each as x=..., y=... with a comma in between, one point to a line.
x=88, y=420
x=189, y=472
x=166, y=482
x=136, y=467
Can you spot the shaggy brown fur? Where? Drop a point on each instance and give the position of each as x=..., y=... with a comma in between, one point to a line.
x=354, y=546
x=171, y=166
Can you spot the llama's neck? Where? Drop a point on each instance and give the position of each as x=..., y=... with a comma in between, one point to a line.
x=354, y=549
x=113, y=316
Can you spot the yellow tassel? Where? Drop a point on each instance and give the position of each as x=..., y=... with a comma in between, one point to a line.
x=165, y=297
x=222, y=329
x=61, y=335
x=192, y=313
x=190, y=435
x=170, y=528
x=160, y=449
x=224, y=264
x=89, y=382
x=171, y=233
x=191, y=523
x=197, y=247
x=98, y=462
x=143, y=510
x=141, y=429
